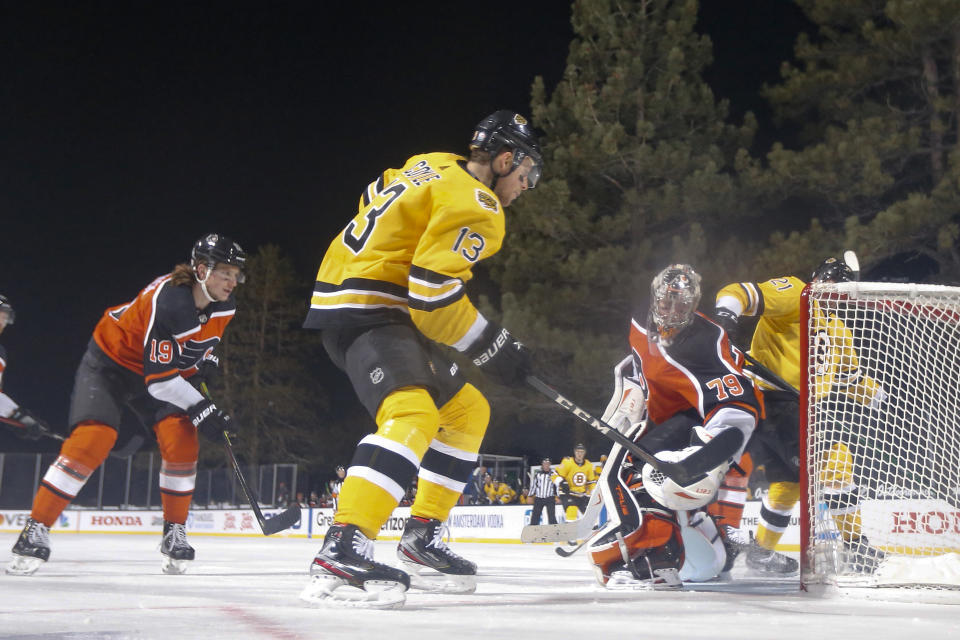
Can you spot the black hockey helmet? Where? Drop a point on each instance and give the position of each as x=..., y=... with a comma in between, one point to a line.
x=214, y=248
x=833, y=270
x=6, y=306
x=505, y=128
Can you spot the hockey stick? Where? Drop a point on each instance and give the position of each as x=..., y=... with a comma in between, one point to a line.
x=283, y=520
x=850, y=258
x=563, y=531
x=566, y=553
x=769, y=376
x=131, y=447
x=686, y=472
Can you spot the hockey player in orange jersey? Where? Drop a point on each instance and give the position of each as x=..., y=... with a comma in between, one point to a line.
x=26, y=424
x=141, y=357
x=389, y=294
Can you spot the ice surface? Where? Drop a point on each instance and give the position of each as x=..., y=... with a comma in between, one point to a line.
x=110, y=586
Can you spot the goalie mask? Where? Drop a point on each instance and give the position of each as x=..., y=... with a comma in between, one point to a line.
x=674, y=296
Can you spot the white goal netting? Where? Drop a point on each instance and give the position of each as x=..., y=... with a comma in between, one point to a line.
x=880, y=436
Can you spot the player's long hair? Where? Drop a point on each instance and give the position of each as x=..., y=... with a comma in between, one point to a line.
x=182, y=274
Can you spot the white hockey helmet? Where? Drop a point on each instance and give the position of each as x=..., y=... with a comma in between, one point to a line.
x=673, y=496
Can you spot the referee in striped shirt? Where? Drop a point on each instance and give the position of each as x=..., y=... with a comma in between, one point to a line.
x=544, y=494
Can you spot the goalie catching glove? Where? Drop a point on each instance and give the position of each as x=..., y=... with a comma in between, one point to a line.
x=667, y=492
x=210, y=421
x=500, y=356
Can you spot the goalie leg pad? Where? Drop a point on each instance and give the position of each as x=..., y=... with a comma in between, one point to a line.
x=704, y=552
x=648, y=557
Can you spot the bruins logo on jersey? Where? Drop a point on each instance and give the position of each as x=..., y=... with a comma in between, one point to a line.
x=487, y=201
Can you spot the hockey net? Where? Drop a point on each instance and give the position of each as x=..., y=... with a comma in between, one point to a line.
x=880, y=437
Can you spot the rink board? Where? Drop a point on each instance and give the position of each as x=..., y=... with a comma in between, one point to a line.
x=499, y=524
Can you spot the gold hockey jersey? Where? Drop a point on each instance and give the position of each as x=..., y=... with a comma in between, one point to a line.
x=776, y=340
x=410, y=250
x=580, y=477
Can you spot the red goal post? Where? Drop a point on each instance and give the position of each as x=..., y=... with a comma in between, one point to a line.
x=880, y=437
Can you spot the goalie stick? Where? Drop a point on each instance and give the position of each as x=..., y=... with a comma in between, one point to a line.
x=686, y=472
x=574, y=530
x=283, y=520
x=566, y=553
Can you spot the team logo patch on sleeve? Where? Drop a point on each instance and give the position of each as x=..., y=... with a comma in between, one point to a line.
x=487, y=201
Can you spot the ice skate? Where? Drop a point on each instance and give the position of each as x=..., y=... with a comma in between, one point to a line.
x=734, y=541
x=346, y=558
x=623, y=579
x=422, y=547
x=176, y=552
x=31, y=549
x=769, y=562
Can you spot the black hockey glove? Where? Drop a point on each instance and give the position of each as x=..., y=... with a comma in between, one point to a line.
x=210, y=421
x=501, y=356
x=33, y=427
x=207, y=371
x=729, y=321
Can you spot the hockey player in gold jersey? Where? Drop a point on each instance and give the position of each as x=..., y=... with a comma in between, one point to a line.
x=389, y=295
x=575, y=478
x=776, y=345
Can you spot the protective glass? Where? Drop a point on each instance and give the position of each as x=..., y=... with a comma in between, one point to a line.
x=226, y=274
x=535, y=166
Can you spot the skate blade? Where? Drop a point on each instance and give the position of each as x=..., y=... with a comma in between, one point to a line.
x=772, y=572
x=24, y=565
x=173, y=567
x=325, y=591
x=625, y=581
x=437, y=582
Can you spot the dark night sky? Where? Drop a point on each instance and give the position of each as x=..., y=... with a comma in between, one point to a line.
x=128, y=130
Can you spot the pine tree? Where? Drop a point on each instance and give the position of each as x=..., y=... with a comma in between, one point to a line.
x=878, y=91
x=266, y=382
x=639, y=173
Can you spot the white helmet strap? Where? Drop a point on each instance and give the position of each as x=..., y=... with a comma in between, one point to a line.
x=203, y=283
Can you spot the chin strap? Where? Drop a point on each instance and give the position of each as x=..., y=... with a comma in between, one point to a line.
x=203, y=283
x=497, y=176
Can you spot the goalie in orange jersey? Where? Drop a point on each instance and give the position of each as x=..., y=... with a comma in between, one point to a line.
x=141, y=357
x=696, y=396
